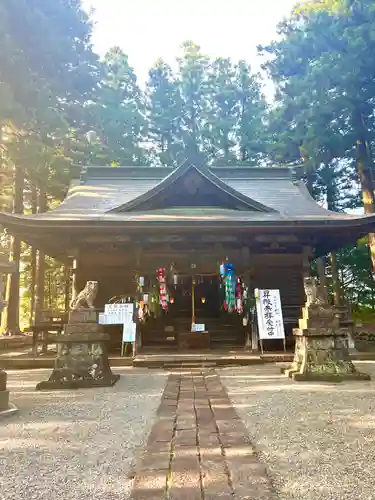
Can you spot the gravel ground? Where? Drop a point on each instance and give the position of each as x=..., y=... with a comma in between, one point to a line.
x=317, y=440
x=75, y=444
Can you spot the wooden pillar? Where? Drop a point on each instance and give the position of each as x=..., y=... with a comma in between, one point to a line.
x=40, y=263
x=34, y=210
x=321, y=268
x=251, y=342
x=306, y=257
x=138, y=335
x=2, y=298
x=73, y=293
x=39, y=289
x=66, y=287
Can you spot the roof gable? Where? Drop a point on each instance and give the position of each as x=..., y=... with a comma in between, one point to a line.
x=192, y=186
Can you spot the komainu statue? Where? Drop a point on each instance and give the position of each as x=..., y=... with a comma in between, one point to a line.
x=315, y=294
x=85, y=296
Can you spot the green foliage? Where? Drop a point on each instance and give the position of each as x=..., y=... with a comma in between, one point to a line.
x=118, y=113
x=324, y=111
x=61, y=107
x=213, y=108
x=164, y=109
x=222, y=113
x=356, y=276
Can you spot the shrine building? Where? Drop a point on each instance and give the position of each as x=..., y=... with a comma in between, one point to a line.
x=119, y=225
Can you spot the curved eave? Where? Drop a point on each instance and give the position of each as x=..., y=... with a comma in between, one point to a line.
x=57, y=237
x=40, y=223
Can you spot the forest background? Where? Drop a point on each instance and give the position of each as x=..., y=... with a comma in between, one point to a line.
x=62, y=107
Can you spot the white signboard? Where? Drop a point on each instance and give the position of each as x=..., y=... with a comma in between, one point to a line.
x=117, y=314
x=198, y=327
x=128, y=332
x=109, y=319
x=270, y=317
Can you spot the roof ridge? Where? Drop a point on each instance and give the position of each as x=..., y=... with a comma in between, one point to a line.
x=176, y=174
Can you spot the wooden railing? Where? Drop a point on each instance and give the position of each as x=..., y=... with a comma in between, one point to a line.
x=44, y=331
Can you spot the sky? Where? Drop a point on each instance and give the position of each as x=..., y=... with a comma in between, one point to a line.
x=149, y=29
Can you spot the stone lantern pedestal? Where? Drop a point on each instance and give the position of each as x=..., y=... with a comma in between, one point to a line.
x=322, y=350
x=4, y=393
x=6, y=408
x=82, y=359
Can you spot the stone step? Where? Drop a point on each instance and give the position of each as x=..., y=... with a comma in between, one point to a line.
x=188, y=365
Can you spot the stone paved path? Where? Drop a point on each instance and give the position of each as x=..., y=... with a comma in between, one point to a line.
x=199, y=449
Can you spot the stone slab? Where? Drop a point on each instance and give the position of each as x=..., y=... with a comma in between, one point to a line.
x=82, y=328
x=83, y=316
x=4, y=400
x=328, y=377
x=9, y=412
x=318, y=332
x=82, y=337
x=206, y=458
x=3, y=380
x=149, y=485
x=77, y=384
x=80, y=364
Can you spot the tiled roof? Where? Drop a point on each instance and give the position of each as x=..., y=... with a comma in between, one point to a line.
x=102, y=190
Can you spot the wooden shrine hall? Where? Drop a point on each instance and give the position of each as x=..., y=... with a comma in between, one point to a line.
x=118, y=225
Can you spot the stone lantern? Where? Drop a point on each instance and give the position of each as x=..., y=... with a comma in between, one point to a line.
x=5, y=268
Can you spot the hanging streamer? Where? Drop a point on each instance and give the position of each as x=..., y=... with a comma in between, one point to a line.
x=163, y=295
x=229, y=288
x=239, y=296
x=222, y=270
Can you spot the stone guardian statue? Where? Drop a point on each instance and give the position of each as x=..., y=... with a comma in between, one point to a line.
x=85, y=297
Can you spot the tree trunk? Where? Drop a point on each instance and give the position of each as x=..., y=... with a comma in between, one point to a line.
x=40, y=267
x=10, y=321
x=364, y=168
x=332, y=194
x=365, y=177
x=34, y=210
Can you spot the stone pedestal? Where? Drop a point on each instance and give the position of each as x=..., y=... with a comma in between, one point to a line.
x=7, y=409
x=82, y=359
x=4, y=393
x=322, y=350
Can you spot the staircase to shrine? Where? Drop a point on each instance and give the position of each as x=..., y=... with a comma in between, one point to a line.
x=224, y=332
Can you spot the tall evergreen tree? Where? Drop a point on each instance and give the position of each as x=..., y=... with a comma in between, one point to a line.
x=251, y=115
x=321, y=63
x=48, y=72
x=164, y=109
x=193, y=83
x=119, y=113
x=222, y=113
